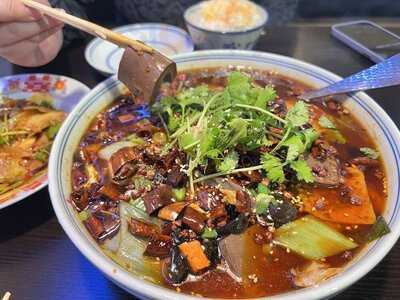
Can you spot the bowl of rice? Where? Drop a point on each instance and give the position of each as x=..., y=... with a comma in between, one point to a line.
x=225, y=24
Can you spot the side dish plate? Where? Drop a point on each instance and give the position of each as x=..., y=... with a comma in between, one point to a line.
x=64, y=93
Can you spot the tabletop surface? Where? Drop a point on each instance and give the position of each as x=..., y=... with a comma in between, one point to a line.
x=38, y=261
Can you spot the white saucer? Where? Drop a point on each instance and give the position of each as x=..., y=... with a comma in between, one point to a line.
x=169, y=40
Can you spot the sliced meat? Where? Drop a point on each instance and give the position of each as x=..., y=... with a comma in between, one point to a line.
x=313, y=274
x=208, y=198
x=157, y=198
x=123, y=164
x=365, y=161
x=326, y=172
x=142, y=229
x=243, y=202
x=145, y=128
x=78, y=176
x=94, y=226
x=158, y=246
x=176, y=178
x=172, y=211
x=111, y=191
x=80, y=199
x=218, y=216
x=194, y=219
x=322, y=149
x=110, y=220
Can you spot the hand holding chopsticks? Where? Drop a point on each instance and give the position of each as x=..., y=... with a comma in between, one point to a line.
x=89, y=27
x=142, y=69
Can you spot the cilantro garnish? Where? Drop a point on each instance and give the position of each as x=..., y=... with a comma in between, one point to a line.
x=325, y=122
x=303, y=171
x=229, y=162
x=210, y=126
x=369, y=152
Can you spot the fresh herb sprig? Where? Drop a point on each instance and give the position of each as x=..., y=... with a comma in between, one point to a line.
x=210, y=126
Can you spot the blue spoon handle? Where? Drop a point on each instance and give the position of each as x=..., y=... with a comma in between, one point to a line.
x=386, y=73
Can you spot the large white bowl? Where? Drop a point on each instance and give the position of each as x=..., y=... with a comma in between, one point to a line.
x=376, y=121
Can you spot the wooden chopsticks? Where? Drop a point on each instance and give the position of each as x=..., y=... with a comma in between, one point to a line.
x=89, y=27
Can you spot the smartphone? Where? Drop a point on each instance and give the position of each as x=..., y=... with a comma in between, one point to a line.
x=368, y=38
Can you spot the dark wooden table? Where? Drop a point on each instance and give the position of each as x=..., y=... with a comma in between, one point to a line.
x=38, y=261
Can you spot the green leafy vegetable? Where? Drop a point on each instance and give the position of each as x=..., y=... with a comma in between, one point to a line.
x=52, y=130
x=83, y=215
x=309, y=136
x=129, y=250
x=332, y=135
x=335, y=136
x=273, y=166
x=369, y=152
x=299, y=114
x=379, y=229
x=229, y=162
x=135, y=140
x=42, y=155
x=209, y=233
x=262, y=189
x=179, y=194
x=303, y=171
x=262, y=202
x=295, y=147
x=312, y=238
x=325, y=122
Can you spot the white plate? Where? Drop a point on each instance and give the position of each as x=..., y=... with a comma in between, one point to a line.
x=65, y=93
x=169, y=40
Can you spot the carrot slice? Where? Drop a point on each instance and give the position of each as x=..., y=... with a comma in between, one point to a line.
x=195, y=255
x=328, y=204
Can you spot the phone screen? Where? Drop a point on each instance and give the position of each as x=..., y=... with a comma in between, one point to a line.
x=373, y=38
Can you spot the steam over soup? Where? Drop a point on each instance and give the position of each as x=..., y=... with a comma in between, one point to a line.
x=229, y=186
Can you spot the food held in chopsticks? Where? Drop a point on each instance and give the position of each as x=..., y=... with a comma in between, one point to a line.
x=27, y=130
x=230, y=186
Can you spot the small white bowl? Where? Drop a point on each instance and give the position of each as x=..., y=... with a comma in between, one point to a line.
x=169, y=40
x=213, y=39
x=373, y=117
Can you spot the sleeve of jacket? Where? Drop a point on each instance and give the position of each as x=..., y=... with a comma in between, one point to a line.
x=76, y=8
